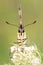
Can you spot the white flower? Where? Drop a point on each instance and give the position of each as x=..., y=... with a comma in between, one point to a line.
x=13, y=48
x=30, y=48
x=36, y=61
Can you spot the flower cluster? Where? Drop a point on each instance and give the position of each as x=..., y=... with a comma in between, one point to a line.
x=23, y=55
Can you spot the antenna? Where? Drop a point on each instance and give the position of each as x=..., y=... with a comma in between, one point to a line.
x=30, y=23
x=11, y=24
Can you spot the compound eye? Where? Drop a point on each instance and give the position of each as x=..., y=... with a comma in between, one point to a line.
x=19, y=31
x=23, y=31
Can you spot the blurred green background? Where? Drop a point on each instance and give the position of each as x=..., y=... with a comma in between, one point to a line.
x=32, y=10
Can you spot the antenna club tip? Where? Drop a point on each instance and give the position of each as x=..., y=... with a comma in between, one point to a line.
x=6, y=22
x=35, y=21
